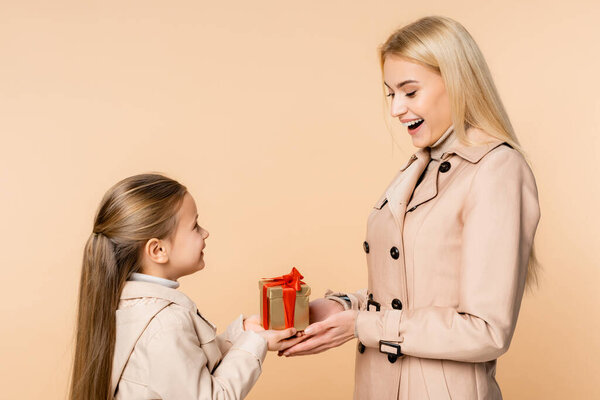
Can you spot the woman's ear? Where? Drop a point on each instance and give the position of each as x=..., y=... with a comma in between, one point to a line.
x=156, y=251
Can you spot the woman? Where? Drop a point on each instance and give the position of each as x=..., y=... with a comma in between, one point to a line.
x=449, y=243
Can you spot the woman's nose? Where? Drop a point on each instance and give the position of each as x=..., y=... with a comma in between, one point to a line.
x=206, y=234
x=398, y=107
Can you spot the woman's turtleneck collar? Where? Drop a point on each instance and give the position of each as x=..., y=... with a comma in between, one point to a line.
x=442, y=144
x=136, y=276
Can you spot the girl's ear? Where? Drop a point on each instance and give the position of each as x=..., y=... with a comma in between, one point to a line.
x=156, y=251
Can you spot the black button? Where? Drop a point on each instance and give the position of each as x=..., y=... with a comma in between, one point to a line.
x=445, y=166
x=361, y=348
x=396, y=304
x=366, y=247
x=394, y=253
x=392, y=358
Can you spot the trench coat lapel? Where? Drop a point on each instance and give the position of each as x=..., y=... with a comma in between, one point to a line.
x=428, y=190
x=132, y=322
x=400, y=191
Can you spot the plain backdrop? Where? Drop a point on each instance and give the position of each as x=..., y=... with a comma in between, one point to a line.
x=272, y=113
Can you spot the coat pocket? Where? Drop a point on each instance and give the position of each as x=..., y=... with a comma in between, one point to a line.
x=435, y=379
x=461, y=379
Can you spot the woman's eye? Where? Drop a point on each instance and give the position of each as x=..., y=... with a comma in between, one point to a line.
x=411, y=94
x=390, y=95
x=196, y=227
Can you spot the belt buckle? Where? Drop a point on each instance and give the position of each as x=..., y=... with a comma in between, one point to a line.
x=390, y=348
x=371, y=302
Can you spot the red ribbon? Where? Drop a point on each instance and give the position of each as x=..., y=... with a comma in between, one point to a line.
x=291, y=284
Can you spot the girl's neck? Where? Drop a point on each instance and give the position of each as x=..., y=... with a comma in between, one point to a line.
x=136, y=276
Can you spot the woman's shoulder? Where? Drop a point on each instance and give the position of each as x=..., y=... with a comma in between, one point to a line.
x=504, y=169
x=503, y=159
x=494, y=155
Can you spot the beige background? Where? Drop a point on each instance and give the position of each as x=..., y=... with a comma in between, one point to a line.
x=272, y=113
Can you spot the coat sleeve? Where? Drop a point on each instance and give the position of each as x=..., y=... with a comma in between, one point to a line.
x=178, y=367
x=226, y=339
x=358, y=299
x=500, y=218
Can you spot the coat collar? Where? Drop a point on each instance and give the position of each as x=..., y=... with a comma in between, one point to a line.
x=442, y=145
x=449, y=144
x=400, y=191
x=132, y=321
x=138, y=289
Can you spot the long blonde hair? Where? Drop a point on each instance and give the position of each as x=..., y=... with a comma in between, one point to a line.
x=445, y=46
x=133, y=211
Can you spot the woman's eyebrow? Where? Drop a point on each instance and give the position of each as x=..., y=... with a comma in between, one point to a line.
x=406, y=82
x=399, y=86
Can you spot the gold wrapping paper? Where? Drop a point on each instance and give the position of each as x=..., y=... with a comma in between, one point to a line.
x=276, y=308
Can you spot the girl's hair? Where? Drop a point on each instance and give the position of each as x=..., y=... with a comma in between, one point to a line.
x=133, y=211
x=445, y=46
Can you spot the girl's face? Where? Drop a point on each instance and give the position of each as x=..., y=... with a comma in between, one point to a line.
x=185, y=247
x=418, y=98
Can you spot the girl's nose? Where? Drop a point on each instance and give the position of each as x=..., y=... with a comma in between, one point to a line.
x=205, y=233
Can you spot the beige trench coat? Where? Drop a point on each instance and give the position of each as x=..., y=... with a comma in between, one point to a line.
x=166, y=350
x=447, y=263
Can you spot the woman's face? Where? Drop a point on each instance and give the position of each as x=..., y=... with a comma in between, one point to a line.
x=418, y=99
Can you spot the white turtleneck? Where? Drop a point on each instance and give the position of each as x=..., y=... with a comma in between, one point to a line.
x=136, y=276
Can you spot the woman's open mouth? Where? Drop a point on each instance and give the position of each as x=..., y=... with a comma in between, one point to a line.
x=412, y=125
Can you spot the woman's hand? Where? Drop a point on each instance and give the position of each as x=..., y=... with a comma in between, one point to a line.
x=333, y=331
x=321, y=309
x=276, y=340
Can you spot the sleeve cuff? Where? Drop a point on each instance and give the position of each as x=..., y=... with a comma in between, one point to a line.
x=235, y=329
x=355, y=302
x=335, y=296
x=371, y=327
x=253, y=343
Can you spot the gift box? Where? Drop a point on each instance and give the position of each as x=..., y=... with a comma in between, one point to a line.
x=284, y=302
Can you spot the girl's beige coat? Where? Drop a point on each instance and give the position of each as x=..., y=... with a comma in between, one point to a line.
x=447, y=266
x=166, y=350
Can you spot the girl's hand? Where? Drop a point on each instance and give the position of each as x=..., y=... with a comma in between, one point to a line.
x=276, y=340
x=252, y=323
x=281, y=340
x=334, y=331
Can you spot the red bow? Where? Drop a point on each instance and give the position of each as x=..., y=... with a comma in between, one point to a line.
x=291, y=284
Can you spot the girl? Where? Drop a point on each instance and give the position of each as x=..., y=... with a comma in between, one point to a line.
x=449, y=243
x=137, y=336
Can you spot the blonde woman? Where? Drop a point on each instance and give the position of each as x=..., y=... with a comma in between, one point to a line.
x=449, y=244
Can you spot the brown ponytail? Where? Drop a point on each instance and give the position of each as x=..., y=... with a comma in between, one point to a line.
x=133, y=211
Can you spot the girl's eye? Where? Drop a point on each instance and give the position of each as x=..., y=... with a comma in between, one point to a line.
x=411, y=94
x=390, y=95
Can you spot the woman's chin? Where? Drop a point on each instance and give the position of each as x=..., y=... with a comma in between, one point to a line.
x=421, y=139
x=419, y=142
